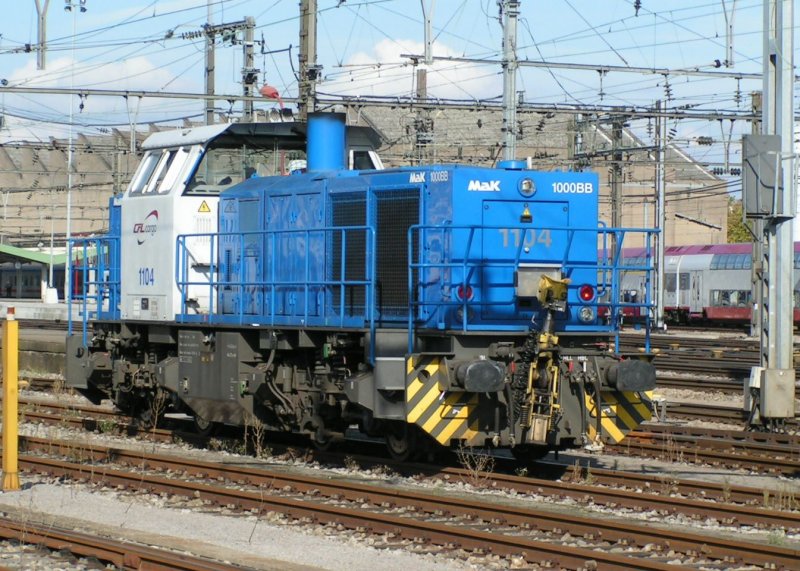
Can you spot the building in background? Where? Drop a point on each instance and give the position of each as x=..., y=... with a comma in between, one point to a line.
x=33, y=175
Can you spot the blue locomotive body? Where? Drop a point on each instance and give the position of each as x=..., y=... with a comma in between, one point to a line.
x=450, y=304
x=443, y=247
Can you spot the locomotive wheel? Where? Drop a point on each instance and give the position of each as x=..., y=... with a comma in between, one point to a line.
x=204, y=427
x=322, y=441
x=401, y=441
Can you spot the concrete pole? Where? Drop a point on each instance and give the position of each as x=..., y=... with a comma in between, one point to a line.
x=307, y=85
x=616, y=176
x=41, y=33
x=661, y=218
x=777, y=345
x=249, y=72
x=70, y=158
x=423, y=123
x=757, y=266
x=510, y=12
x=209, y=64
x=616, y=181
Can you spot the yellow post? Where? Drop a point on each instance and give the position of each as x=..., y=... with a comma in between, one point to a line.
x=10, y=400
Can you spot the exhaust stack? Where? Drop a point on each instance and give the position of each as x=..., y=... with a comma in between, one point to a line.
x=325, y=146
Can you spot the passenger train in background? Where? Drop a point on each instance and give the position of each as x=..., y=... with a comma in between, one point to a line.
x=431, y=306
x=702, y=284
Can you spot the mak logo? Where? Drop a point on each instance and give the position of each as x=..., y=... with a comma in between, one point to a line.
x=416, y=177
x=484, y=186
x=146, y=227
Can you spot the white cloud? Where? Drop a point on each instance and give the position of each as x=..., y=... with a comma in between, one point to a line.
x=384, y=72
x=46, y=112
x=133, y=73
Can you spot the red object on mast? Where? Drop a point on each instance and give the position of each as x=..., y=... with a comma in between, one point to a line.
x=271, y=93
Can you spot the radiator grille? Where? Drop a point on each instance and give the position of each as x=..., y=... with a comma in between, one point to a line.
x=396, y=211
x=349, y=210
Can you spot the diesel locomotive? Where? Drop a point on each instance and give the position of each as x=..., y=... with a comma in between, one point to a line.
x=443, y=305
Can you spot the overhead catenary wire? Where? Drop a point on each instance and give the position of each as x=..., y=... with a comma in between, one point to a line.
x=632, y=93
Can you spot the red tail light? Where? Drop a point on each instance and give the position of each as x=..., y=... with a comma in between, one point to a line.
x=464, y=292
x=586, y=293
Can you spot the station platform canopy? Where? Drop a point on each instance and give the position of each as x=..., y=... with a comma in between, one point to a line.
x=43, y=256
x=10, y=253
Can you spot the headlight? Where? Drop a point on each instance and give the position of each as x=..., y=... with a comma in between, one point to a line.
x=586, y=314
x=526, y=187
x=465, y=293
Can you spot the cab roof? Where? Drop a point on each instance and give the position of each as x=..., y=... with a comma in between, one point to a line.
x=357, y=136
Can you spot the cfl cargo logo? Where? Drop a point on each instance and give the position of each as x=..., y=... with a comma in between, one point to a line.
x=146, y=227
x=484, y=186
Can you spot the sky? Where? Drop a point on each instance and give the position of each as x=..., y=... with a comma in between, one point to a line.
x=154, y=45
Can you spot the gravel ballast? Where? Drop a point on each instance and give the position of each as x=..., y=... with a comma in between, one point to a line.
x=247, y=540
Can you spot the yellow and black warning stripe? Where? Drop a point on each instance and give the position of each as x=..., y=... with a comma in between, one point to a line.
x=445, y=415
x=620, y=412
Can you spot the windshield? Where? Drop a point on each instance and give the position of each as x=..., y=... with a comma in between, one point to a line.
x=223, y=166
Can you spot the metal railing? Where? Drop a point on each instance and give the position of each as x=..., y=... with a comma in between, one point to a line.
x=95, y=280
x=612, y=264
x=249, y=273
x=463, y=254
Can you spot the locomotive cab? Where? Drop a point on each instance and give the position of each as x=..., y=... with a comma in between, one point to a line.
x=175, y=191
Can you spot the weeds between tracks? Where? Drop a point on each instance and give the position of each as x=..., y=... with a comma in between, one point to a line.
x=478, y=464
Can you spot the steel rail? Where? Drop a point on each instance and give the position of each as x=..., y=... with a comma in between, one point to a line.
x=655, y=446
x=732, y=514
x=89, y=418
x=717, y=413
x=120, y=553
x=693, y=383
x=752, y=438
x=516, y=516
x=691, y=488
x=722, y=441
x=360, y=519
x=611, y=478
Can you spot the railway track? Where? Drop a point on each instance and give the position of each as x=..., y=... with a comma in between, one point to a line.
x=715, y=413
x=92, y=418
x=726, y=361
x=732, y=448
x=754, y=438
x=780, y=459
x=664, y=342
x=607, y=487
x=692, y=382
x=536, y=535
x=121, y=553
x=49, y=324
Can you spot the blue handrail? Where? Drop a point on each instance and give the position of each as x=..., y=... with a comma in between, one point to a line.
x=571, y=257
x=263, y=281
x=99, y=272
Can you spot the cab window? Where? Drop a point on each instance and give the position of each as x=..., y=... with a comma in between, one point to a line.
x=145, y=172
x=221, y=167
